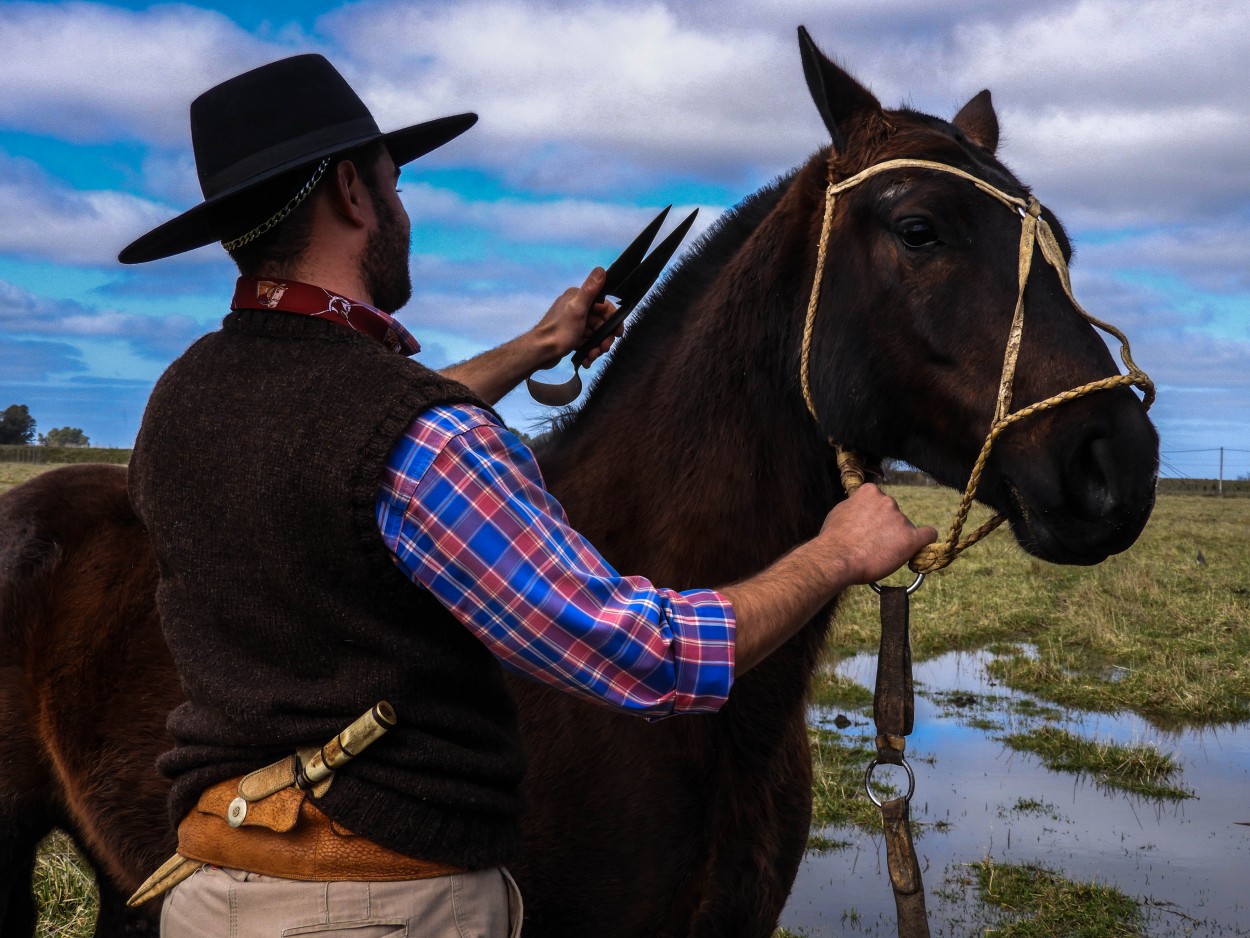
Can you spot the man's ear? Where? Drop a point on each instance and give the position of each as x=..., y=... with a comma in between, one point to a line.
x=348, y=194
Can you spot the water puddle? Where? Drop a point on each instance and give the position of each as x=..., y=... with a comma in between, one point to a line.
x=1190, y=859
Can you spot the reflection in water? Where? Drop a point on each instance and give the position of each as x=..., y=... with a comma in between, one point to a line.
x=1190, y=858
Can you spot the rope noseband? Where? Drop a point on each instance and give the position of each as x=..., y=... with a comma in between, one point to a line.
x=1034, y=230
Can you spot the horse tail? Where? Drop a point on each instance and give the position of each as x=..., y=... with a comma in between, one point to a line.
x=77, y=584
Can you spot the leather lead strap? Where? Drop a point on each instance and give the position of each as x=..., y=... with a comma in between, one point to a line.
x=893, y=711
x=913, y=919
x=892, y=704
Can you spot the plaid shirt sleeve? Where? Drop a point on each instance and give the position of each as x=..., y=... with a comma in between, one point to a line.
x=464, y=511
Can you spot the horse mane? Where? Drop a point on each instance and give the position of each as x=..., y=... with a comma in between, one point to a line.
x=656, y=321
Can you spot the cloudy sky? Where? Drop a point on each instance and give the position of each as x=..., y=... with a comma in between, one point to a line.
x=1130, y=118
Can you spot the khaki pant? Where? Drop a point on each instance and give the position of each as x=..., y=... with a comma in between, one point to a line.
x=221, y=903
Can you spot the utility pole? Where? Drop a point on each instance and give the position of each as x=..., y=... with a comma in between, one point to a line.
x=1221, y=472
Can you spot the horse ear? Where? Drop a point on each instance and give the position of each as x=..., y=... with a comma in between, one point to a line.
x=838, y=96
x=979, y=122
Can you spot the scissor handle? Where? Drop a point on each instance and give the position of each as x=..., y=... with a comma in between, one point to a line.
x=609, y=326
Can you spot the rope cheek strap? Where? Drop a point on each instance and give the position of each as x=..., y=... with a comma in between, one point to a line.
x=1034, y=231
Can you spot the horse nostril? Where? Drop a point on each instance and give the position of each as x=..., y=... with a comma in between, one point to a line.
x=1094, y=487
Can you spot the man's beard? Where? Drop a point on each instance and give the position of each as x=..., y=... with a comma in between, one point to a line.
x=384, y=266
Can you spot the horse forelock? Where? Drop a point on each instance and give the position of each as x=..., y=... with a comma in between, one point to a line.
x=910, y=134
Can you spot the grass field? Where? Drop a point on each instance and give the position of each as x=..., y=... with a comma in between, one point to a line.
x=15, y=473
x=1162, y=630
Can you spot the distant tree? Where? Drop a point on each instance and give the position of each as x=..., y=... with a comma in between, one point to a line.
x=64, y=436
x=17, y=426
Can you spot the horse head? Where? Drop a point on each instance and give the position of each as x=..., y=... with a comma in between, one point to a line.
x=915, y=310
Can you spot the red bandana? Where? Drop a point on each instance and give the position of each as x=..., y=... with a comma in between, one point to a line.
x=291, y=296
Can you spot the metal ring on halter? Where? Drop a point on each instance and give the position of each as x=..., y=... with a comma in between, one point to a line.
x=911, y=780
x=876, y=587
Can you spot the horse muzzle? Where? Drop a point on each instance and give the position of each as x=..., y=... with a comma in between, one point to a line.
x=1089, y=493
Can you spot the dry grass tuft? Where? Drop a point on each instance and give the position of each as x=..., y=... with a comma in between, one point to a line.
x=64, y=890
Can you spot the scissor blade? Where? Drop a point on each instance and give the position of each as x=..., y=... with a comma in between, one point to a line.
x=636, y=286
x=620, y=269
x=648, y=271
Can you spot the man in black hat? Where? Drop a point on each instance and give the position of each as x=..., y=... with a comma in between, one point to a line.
x=337, y=525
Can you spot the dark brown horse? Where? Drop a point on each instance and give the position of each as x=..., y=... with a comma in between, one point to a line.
x=694, y=461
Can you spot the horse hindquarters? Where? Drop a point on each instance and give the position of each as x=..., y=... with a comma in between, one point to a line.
x=24, y=812
x=85, y=699
x=27, y=802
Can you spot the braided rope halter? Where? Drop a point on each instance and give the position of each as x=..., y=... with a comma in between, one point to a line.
x=1033, y=230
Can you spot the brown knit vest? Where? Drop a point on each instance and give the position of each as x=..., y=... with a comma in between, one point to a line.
x=256, y=473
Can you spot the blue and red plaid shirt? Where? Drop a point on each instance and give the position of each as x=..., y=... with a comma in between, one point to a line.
x=463, y=508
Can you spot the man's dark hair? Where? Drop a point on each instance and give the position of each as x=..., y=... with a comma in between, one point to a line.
x=277, y=250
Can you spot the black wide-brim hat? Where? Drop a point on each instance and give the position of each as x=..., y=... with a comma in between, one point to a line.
x=272, y=120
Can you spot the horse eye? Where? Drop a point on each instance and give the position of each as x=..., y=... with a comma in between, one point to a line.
x=917, y=233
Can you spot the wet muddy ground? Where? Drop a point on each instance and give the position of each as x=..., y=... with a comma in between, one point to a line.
x=1187, y=862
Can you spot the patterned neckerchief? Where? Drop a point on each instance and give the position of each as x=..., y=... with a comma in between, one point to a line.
x=291, y=296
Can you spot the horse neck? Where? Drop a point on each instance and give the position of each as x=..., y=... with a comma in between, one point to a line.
x=695, y=462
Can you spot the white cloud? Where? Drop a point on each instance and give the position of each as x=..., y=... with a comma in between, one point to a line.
x=46, y=219
x=1131, y=111
x=88, y=72
x=170, y=176
x=1125, y=109
x=1143, y=102
x=617, y=80
x=1100, y=52
x=1107, y=169
x=552, y=221
x=23, y=313
x=1214, y=258
x=484, y=320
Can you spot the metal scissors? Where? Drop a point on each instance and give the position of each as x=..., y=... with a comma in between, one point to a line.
x=628, y=279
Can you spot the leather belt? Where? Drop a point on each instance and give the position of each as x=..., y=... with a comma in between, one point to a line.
x=287, y=835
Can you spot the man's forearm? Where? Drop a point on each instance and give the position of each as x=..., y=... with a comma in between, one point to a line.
x=572, y=317
x=493, y=374
x=774, y=604
x=863, y=539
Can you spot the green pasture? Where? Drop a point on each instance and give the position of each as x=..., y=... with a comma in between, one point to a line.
x=15, y=473
x=49, y=456
x=1162, y=630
